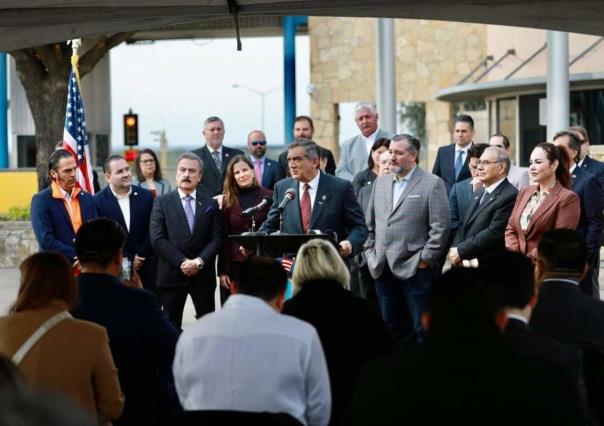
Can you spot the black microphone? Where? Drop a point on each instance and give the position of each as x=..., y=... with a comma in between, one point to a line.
x=290, y=194
x=250, y=211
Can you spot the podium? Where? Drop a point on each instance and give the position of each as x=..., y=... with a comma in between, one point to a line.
x=276, y=245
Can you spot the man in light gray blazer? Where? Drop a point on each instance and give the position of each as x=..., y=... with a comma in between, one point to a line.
x=517, y=176
x=408, y=220
x=355, y=151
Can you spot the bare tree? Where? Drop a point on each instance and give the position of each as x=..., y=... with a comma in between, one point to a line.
x=44, y=73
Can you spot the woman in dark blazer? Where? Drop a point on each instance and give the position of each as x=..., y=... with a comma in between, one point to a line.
x=148, y=173
x=73, y=357
x=241, y=191
x=351, y=329
x=367, y=176
x=548, y=203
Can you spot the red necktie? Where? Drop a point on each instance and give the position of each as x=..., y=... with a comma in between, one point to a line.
x=305, y=209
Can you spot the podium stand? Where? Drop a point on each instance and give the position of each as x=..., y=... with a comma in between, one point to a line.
x=276, y=245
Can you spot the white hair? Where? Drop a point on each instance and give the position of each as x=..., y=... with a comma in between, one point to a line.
x=365, y=105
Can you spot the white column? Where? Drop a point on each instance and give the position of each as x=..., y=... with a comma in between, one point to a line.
x=386, y=74
x=558, y=89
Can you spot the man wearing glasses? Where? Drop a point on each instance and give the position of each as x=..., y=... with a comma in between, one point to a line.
x=266, y=170
x=483, y=227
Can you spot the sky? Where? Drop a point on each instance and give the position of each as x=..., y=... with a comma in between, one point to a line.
x=175, y=85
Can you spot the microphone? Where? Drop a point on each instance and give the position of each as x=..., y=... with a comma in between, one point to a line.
x=250, y=211
x=289, y=195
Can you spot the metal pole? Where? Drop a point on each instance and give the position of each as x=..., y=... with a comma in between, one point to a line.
x=290, y=25
x=386, y=74
x=558, y=89
x=262, y=110
x=3, y=113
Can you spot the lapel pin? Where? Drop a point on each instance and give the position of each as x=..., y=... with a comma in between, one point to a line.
x=324, y=197
x=136, y=193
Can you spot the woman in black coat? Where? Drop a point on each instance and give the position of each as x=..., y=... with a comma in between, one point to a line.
x=367, y=176
x=351, y=329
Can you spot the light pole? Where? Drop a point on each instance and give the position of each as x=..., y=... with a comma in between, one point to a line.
x=262, y=95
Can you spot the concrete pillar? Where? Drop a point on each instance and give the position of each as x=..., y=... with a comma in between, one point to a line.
x=386, y=74
x=558, y=89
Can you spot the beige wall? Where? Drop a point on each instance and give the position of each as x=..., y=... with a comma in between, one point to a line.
x=430, y=55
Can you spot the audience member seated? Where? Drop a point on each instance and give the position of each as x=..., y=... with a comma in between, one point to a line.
x=249, y=357
x=519, y=297
x=141, y=338
x=463, y=373
x=547, y=204
x=566, y=314
x=351, y=329
x=53, y=351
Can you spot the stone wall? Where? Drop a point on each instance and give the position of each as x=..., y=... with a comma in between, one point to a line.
x=17, y=241
x=430, y=55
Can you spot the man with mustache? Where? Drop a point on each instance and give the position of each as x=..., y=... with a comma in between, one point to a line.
x=185, y=232
x=130, y=206
x=58, y=211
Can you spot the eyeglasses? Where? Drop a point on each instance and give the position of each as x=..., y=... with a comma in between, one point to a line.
x=486, y=163
x=148, y=161
x=256, y=143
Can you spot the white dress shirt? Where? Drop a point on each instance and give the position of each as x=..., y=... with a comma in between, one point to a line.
x=124, y=202
x=248, y=357
x=370, y=140
x=464, y=155
x=182, y=196
x=312, y=191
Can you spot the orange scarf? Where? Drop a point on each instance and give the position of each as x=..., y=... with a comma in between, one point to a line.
x=73, y=210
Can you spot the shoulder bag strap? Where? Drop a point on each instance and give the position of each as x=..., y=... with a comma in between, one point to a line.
x=38, y=334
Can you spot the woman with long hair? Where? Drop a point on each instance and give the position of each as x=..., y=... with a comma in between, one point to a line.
x=367, y=176
x=548, y=203
x=148, y=173
x=241, y=191
x=54, y=351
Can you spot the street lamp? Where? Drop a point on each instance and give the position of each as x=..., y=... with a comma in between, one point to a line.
x=262, y=95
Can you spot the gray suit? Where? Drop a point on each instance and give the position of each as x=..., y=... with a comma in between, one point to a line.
x=354, y=156
x=518, y=176
x=416, y=229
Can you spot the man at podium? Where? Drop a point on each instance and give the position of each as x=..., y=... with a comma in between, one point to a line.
x=312, y=200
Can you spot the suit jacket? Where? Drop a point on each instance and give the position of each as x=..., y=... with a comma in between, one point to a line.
x=362, y=179
x=518, y=176
x=416, y=229
x=51, y=222
x=173, y=242
x=84, y=372
x=591, y=221
x=213, y=178
x=142, y=342
x=141, y=203
x=235, y=223
x=349, y=344
x=560, y=209
x=444, y=166
x=271, y=172
x=484, y=225
x=161, y=187
x=594, y=167
x=354, y=156
x=335, y=209
x=459, y=199
x=330, y=168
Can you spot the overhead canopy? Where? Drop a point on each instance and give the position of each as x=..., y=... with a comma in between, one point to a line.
x=26, y=23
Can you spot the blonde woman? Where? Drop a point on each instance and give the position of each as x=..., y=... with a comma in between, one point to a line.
x=350, y=328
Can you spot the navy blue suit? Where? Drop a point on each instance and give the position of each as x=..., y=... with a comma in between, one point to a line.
x=141, y=203
x=213, y=178
x=459, y=199
x=142, y=342
x=335, y=209
x=444, y=166
x=271, y=173
x=591, y=221
x=594, y=167
x=52, y=225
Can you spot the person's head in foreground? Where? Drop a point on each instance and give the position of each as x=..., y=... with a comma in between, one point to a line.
x=99, y=245
x=264, y=278
x=561, y=253
x=319, y=260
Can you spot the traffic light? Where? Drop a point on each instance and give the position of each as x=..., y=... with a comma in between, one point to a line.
x=130, y=155
x=130, y=129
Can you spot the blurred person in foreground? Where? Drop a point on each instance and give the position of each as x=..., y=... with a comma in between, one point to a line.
x=463, y=373
x=249, y=357
x=241, y=192
x=141, y=338
x=549, y=203
x=83, y=372
x=149, y=174
x=351, y=329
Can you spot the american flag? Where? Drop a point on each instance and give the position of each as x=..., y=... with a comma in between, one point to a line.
x=75, y=136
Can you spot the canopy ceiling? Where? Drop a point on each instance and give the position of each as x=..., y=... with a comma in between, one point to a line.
x=26, y=23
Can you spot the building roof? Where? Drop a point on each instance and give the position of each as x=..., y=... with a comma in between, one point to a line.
x=26, y=23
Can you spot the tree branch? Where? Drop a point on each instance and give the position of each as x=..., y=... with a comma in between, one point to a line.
x=98, y=51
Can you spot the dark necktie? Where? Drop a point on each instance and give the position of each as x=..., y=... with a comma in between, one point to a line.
x=458, y=163
x=483, y=197
x=217, y=160
x=305, y=209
